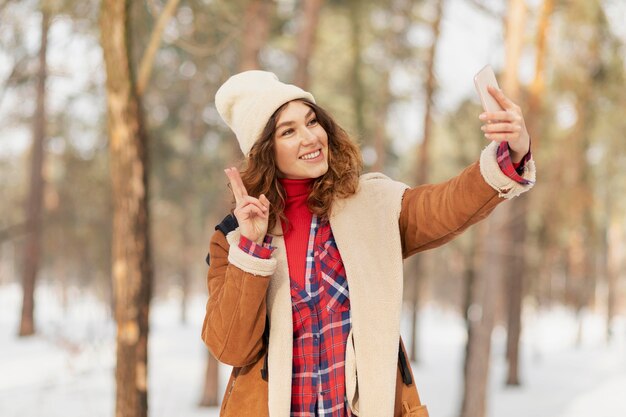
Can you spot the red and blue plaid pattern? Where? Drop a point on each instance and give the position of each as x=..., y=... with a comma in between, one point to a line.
x=510, y=169
x=321, y=323
x=263, y=251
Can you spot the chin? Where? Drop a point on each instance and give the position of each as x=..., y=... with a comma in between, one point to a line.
x=320, y=171
x=306, y=172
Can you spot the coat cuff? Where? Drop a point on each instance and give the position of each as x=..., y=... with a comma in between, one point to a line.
x=498, y=180
x=245, y=261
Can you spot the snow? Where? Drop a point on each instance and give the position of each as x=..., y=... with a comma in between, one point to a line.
x=68, y=368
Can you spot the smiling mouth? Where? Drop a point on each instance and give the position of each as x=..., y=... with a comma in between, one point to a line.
x=311, y=155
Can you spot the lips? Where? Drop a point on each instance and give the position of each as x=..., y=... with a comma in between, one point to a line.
x=311, y=155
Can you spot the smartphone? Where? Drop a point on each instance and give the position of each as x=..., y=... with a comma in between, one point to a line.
x=482, y=79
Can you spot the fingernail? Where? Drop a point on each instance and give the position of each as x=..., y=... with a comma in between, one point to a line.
x=482, y=128
x=482, y=116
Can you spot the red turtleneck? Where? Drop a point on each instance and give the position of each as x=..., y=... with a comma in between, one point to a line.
x=297, y=233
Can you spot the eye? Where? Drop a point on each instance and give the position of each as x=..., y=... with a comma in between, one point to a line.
x=312, y=122
x=287, y=132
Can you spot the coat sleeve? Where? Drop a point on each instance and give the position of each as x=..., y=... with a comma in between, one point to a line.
x=236, y=309
x=434, y=214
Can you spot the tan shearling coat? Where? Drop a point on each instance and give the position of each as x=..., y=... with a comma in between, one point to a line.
x=375, y=229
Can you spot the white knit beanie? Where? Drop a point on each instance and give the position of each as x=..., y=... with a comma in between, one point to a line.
x=247, y=100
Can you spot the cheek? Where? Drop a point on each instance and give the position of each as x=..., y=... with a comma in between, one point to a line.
x=284, y=155
x=324, y=138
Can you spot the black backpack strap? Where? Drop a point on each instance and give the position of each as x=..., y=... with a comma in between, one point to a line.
x=404, y=367
x=266, y=343
x=226, y=226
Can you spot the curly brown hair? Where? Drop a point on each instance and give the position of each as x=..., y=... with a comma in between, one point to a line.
x=260, y=175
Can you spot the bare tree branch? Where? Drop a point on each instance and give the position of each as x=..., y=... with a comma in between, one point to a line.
x=4, y=85
x=147, y=62
x=153, y=8
x=205, y=51
x=480, y=5
x=19, y=72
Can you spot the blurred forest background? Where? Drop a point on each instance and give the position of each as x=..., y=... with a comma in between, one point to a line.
x=80, y=185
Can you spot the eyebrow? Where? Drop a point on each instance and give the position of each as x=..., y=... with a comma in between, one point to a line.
x=290, y=122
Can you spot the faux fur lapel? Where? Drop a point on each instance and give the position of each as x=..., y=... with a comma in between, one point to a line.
x=365, y=228
x=280, y=352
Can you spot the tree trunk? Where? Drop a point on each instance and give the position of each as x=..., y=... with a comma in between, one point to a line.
x=380, y=134
x=34, y=209
x=614, y=251
x=538, y=84
x=305, y=43
x=187, y=257
x=184, y=293
x=470, y=260
x=481, y=314
x=131, y=258
x=515, y=274
x=517, y=271
x=514, y=41
x=429, y=94
x=497, y=247
x=356, y=77
x=256, y=29
x=210, y=391
x=582, y=242
x=423, y=164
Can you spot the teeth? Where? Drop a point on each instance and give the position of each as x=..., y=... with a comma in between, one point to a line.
x=310, y=155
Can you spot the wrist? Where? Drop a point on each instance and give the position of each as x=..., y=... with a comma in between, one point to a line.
x=517, y=155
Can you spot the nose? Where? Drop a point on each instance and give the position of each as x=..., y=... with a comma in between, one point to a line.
x=308, y=137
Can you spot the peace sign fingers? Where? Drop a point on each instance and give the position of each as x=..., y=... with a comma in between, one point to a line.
x=252, y=213
x=236, y=184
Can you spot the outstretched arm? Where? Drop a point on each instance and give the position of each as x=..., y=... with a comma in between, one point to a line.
x=434, y=214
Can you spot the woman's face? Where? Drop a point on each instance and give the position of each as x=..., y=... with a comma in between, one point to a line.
x=301, y=143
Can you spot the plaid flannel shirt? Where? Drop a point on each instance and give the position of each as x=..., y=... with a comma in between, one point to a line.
x=321, y=324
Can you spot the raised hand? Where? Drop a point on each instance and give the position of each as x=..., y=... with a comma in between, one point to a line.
x=251, y=213
x=507, y=125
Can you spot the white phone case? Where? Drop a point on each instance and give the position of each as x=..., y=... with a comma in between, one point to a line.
x=482, y=79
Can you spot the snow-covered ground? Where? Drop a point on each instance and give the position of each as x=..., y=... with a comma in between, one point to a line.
x=68, y=369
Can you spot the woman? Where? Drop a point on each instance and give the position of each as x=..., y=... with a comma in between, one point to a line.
x=305, y=278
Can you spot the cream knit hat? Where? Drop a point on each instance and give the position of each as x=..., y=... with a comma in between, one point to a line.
x=247, y=100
